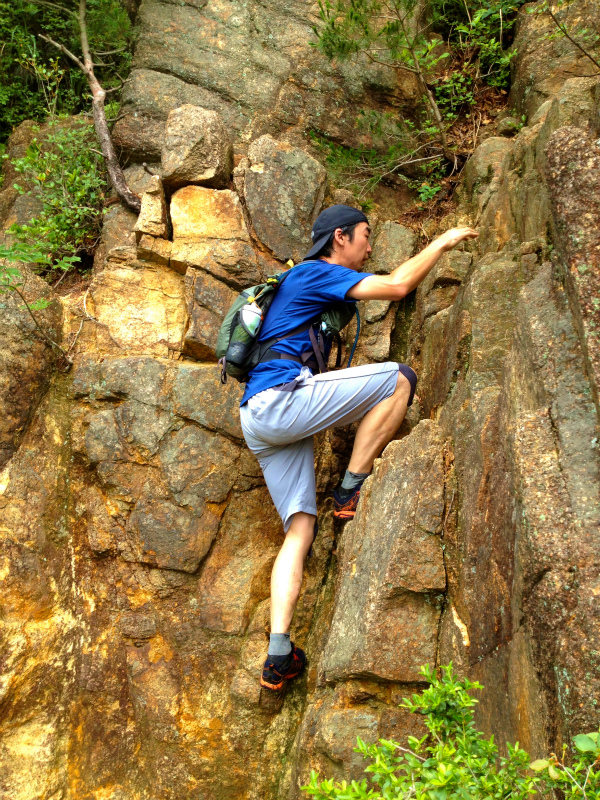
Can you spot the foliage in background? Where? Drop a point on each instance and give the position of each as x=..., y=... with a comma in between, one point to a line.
x=458, y=50
x=579, y=780
x=33, y=80
x=65, y=173
x=455, y=762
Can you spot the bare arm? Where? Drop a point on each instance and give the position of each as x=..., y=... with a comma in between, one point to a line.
x=409, y=275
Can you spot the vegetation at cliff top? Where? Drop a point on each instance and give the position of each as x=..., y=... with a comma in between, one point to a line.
x=455, y=54
x=453, y=761
x=459, y=54
x=35, y=79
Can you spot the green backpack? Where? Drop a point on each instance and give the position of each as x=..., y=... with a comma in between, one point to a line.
x=239, y=350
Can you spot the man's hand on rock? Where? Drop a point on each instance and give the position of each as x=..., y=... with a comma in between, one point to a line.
x=449, y=239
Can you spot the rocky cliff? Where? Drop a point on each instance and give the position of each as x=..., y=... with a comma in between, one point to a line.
x=137, y=533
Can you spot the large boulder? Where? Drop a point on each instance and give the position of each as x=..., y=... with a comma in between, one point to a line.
x=392, y=566
x=284, y=189
x=196, y=149
x=393, y=245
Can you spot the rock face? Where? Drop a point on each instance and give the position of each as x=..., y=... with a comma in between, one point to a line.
x=283, y=190
x=26, y=361
x=254, y=67
x=392, y=567
x=137, y=535
x=196, y=149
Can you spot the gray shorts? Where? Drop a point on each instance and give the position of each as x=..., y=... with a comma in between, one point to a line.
x=279, y=426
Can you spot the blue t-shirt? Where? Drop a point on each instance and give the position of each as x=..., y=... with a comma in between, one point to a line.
x=308, y=290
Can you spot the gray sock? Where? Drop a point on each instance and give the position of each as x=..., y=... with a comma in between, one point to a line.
x=353, y=479
x=279, y=644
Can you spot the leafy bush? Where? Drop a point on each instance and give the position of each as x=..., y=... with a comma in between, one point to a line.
x=33, y=80
x=455, y=762
x=66, y=173
x=582, y=778
x=452, y=761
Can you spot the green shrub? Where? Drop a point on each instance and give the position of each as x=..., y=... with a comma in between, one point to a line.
x=34, y=80
x=454, y=51
x=452, y=761
x=455, y=762
x=582, y=778
x=65, y=172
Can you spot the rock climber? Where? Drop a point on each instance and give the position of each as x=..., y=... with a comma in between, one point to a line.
x=285, y=404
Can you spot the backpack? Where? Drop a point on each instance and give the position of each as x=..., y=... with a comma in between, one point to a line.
x=239, y=351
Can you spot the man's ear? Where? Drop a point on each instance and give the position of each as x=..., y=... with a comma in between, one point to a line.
x=338, y=236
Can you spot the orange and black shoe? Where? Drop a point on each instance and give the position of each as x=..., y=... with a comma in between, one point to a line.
x=345, y=503
x=279, y=669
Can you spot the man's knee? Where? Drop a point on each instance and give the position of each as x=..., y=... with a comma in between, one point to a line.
x=411, y=377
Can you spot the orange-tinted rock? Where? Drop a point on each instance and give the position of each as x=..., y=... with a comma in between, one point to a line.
x=153, y=214
x=154, y=249
x=198, y=213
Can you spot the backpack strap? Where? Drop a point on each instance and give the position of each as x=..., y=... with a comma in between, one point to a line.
x=267, y=354
x=319, y=349
x=304, y=359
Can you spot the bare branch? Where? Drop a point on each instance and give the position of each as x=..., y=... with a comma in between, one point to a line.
x=117, y=178
x=85, y=45
x=37, y=324
x=109, y=52
x=62, y=48
x=564, y=31
x=48, y=4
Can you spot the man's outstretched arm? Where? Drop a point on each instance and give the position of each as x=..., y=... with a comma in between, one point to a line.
x=409, y=275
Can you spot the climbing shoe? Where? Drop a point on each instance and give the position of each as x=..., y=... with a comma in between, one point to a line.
x=345, y=502
x=278, y=669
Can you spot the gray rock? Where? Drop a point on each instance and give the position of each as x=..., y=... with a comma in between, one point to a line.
x=196, y=149
x=284, y=189
x=393, y=245
x=385, y=619
x=209, y=302
x=509, y=126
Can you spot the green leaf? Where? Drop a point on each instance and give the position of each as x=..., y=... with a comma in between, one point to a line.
x=585, y=743
x=553, y=773
x=539, y=765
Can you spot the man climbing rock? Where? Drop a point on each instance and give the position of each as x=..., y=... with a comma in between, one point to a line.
x=285, y=403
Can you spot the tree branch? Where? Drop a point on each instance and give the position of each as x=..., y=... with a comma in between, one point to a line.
x=48, y=4
x=63, y=49
x=37, y=324
x=563, y=30
x=117, y=178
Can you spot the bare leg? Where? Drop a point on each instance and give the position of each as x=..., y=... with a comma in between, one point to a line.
x=286, y=578
x=378, y=427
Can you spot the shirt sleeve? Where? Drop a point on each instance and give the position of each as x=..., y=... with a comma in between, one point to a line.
x=333, y=282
